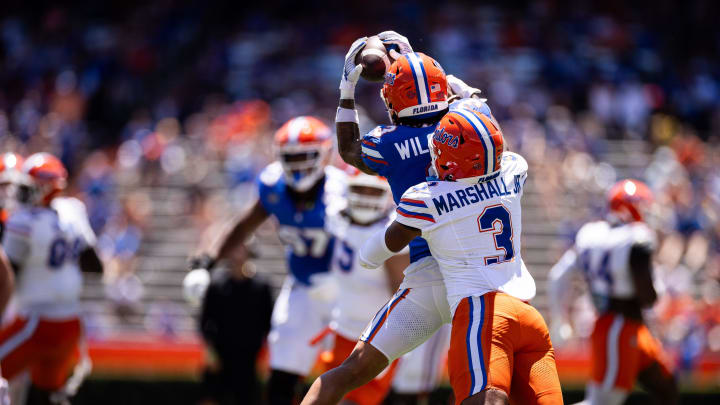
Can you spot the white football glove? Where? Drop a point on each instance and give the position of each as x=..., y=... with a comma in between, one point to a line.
x=460, y=88
x=355, y=48
x=393, y=38
x=195, y=284
x=348, y=83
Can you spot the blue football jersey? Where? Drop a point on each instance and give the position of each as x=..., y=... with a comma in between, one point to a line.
x=401, y=155
x=302, y=229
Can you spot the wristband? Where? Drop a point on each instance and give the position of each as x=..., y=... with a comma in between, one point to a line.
x=347, y=115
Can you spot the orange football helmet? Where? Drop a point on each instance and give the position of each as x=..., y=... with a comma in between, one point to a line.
x=467, y=146
x=415, y=88
x=303, y=146
x=629, y=200
x=47, y=177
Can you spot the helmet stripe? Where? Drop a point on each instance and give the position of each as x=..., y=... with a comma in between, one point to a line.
x=415, y=67
x=477, y=124
x=425, y=79
x=294, y=128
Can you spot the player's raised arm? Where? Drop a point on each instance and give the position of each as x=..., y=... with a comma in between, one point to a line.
x=346, y=120
x=243, y=228
x=376, y=56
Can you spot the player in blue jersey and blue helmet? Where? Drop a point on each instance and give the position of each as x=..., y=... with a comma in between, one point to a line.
x=416, y=95
x=299, y=190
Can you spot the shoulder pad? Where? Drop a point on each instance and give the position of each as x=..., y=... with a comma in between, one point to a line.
x=590, y=230
x=642, y=234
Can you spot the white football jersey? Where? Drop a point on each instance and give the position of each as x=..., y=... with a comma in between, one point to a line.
x=46, y=243
x=362, y=291
x=474, y=231
x=603, y=254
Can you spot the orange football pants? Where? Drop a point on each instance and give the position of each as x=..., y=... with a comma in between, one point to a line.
x=372, y=393
x=500, y=342
x=621, y=349
x=47, y=348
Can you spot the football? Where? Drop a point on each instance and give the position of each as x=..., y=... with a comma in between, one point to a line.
x=374, y=60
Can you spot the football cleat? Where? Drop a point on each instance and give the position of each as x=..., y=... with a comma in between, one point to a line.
x=415, y=88
x=466, y=146
x=303, y=146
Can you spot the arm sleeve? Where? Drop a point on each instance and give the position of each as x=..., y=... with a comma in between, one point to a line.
x=373, y=154
x=414, y=210
x=559, y=284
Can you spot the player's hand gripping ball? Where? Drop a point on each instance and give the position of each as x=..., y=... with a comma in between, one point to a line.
x=374, y=60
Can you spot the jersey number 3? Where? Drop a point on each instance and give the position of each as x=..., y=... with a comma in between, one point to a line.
x=488, y=221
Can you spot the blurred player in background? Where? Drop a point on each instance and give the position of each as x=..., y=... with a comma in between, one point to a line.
x=500, y=347
x=49, y=241
x=10, y=176
x=415, y=93
x=361, y=292
x=300, y=190
x=615, y=258
x=234, y=341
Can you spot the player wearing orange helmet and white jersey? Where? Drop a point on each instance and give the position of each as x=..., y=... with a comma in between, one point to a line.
x=471, y=218
x=49, y=242
x=615, y=258
x=370, y=208
x=300, y=190
x=416, y=93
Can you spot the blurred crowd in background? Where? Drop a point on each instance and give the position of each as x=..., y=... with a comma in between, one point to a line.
x=133, y=95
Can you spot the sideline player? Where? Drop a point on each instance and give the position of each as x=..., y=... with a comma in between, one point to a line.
x=369, y=210
x=415, y=93
x=500, y=347
x=300, y=190
x=10, y=164
x=615, y=258
x=49, y=241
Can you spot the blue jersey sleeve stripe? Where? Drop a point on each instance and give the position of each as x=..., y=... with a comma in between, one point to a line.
x=416, y=215
x=372, y=159
x=371, y=152
x=369, y=144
